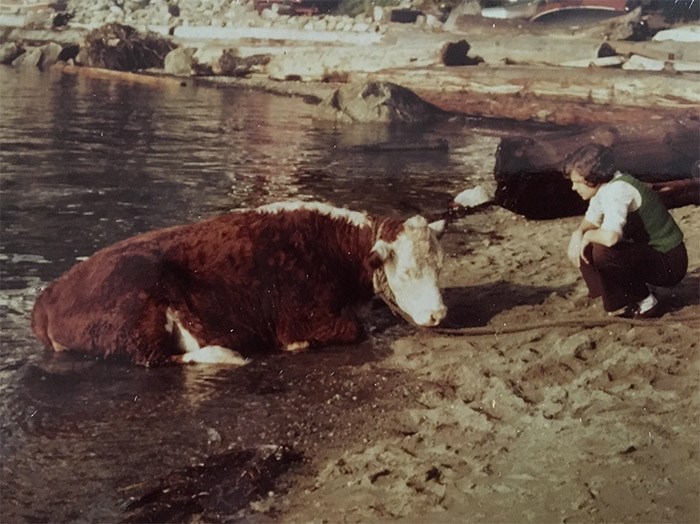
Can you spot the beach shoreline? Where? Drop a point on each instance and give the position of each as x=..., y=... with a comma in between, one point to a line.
x=567, y=424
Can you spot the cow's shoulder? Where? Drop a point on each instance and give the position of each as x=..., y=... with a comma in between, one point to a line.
x=301, y=208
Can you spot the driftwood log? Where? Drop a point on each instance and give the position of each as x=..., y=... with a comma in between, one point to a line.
x=529, y=179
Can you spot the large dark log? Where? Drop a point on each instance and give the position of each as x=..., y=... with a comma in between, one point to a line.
x=530, y=181
x=677, y=193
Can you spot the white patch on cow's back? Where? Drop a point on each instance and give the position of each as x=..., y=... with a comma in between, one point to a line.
x=354, y=217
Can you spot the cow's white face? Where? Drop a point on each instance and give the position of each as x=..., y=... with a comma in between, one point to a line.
x=412, y=265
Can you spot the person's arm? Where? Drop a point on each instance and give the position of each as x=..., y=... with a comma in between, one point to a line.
x=575, y=243
x=605, y=217
x=602, y=236
x=617, y=201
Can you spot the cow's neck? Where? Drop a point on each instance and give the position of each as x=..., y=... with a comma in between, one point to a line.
x=351, y=245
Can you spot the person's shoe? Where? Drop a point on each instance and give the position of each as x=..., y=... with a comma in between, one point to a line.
x=653, y=312
x=632, y=311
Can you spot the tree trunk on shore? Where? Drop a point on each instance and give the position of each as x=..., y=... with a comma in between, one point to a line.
x=551, y=94
x=528, y=168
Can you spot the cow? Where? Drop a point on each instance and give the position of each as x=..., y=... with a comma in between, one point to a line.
x=284, y=276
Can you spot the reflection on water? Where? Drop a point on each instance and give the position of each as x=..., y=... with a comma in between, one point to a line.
x=87, y=162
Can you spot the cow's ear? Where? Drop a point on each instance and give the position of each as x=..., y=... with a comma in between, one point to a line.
x=438, y=227
x=381, y=252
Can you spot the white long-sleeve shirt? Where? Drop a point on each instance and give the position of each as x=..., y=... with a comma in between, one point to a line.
x=609, y=207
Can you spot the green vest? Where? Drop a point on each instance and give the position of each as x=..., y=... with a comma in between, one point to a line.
x=652, y=223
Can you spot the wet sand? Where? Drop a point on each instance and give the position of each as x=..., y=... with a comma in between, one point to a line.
x=569, y=424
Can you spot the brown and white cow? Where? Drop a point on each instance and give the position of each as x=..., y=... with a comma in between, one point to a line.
x=283, y=276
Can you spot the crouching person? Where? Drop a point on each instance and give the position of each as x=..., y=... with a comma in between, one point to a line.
x=627, y=239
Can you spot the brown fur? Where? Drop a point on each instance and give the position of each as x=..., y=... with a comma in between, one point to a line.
x=247, y=281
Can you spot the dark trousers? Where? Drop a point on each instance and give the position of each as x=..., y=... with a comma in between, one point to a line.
x=620, y=273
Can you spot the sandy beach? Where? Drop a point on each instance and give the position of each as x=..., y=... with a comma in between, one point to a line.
x=569, y=424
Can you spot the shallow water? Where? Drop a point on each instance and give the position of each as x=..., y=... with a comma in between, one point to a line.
x=86, y=162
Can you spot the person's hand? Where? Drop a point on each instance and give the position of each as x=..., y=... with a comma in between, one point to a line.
x=585, y=240
x=573, y=252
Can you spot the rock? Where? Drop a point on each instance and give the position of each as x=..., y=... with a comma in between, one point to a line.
x=61, y=19
x=69, y=53
x=404, y=16
x=679, y=34
x=432, y=22
x=37, y=19
x=360, y=27
x=82, y=57
x=208, y=55
x=377, y=102
x=51, y=54
x=685, y=66
x=473, y=197
x=8, y=52
x=179, y=61
x=230, y=64
x=30, y=58
x=642, y=63
x=123, y=48
x=456, y=54
x=465, y=8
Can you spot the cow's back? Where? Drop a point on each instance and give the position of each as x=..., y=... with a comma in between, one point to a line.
x=104, y=304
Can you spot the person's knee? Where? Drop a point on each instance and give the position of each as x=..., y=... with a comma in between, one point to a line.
x=601, y=255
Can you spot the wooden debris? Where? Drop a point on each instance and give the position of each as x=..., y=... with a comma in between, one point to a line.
x=528, y=168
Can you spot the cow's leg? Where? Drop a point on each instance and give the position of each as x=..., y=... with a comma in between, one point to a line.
x=195, y=353
x=211, y=355
x=296, y=346
x=319, y=329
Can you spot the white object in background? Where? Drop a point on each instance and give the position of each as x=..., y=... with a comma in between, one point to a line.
x=473, y=197
x=679, y=34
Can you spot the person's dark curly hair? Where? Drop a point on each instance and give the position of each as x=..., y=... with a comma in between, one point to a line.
x=594, y=162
